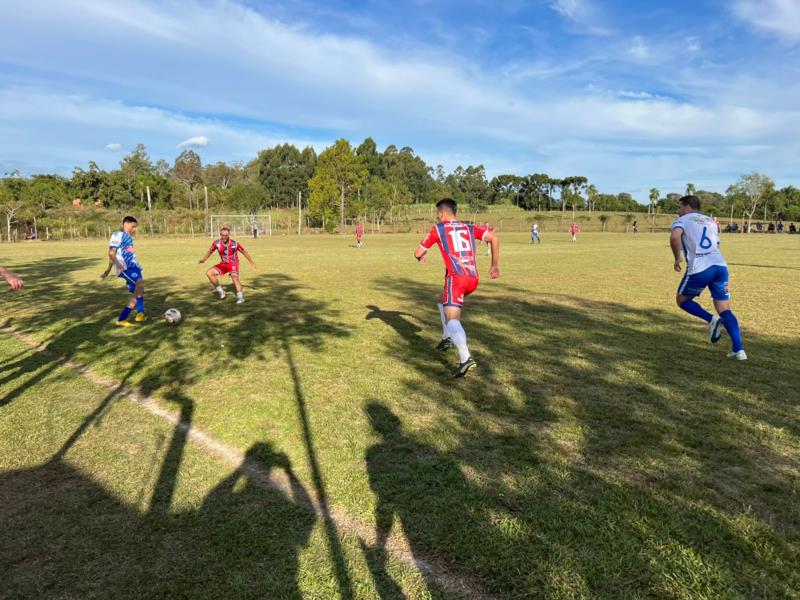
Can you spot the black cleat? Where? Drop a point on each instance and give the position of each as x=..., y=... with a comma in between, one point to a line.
x=464, y=368
x=445, y=344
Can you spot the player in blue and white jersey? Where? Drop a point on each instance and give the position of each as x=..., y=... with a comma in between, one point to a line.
x=122, y=257
x=697, y=236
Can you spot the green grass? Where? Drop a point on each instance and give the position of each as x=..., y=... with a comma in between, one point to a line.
x=602, y=449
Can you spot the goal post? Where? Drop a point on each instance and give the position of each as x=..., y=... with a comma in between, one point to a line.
x=242, y=225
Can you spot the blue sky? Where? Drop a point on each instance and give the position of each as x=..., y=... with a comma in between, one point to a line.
x=630, y=94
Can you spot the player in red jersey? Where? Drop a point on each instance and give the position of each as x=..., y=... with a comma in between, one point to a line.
x=229, y=262
x=456, y=241
x=359, y=235
x=575, y=229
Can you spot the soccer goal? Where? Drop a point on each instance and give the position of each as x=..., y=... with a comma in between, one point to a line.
x=242, y=225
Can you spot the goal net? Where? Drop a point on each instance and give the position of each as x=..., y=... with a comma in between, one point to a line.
x=242, y=225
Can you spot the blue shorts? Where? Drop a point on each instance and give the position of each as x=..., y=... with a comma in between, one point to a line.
x=131, y=276
x=714, y=278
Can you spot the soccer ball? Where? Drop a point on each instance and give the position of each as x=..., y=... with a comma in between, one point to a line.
x=172, y=316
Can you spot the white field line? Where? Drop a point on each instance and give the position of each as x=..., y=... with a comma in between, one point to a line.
x=397, y=545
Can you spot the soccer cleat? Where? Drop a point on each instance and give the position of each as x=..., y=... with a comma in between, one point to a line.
x=740, y=355
x=444, y=344
x=715, y=328
x=139, y=317
x=221, y=295
x=124, y=324
x=464, y=368
x=240, y=299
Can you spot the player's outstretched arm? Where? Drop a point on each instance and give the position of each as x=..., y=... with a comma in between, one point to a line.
x=249, y=258
x=421, y=253
x=14, y=280
x=205, y=256
x=675, y=244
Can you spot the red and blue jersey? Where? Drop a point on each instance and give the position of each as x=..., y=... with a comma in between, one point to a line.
x=228, y=251
x=456, y=242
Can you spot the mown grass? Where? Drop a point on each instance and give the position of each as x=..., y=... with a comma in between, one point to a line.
x=603, y=448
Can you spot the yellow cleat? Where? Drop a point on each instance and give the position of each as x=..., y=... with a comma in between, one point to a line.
x=124, y=324
x=139, y=317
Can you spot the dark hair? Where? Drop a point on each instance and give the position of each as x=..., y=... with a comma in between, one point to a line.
x=692, y=202
x=129, y=219
x=447, y=204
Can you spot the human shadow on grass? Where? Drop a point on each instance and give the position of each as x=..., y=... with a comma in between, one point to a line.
x=67, y=536
x=602, y=444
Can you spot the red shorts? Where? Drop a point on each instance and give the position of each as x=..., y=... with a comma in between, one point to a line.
x=456, y=288
x=227, y=268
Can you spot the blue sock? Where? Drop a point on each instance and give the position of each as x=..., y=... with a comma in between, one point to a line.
x=140, y=304
x=124, y=314
x=732, y=325
x=693, y=308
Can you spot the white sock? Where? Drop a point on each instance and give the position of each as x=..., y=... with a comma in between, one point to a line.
x=444, y=321
x=240, y=294
x=459, y=337
x=219, y=289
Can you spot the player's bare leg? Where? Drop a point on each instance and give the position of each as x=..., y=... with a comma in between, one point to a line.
x=213, y=277
x=238, y=284
x=456, y=332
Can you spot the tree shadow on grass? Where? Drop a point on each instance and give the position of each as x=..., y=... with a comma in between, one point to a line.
x=66, y=536
x=161, y=366
x=609, y=452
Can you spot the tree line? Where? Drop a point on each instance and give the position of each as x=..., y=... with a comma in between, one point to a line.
x=341, y=183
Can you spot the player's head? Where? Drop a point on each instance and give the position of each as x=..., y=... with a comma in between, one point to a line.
x=224, y=232
x=446, y=208
x=129, y=224
x=688, y=204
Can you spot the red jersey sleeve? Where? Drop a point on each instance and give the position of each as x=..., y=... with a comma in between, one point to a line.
x=239, y=247
x=479, y=231
x=213, y=246
x=433, y=237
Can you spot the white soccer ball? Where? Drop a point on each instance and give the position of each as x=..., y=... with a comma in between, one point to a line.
x=172, y=316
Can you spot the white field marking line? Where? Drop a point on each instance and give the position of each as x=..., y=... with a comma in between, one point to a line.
x=397, y=545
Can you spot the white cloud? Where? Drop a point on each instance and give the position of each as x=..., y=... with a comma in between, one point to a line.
x=581, y=13
x=197, y=141
x=781, y=17
x=113, y=146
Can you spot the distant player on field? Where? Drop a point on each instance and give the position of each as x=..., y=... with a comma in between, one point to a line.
x=122, y=257
x=359, y=235
x=456, y=241
x=229, y=262
x=575, y=229
x=697, y=235
x=14, y=280
x=635, y=227
x=535, y=237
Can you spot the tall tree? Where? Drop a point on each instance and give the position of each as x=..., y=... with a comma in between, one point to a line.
x=188, y=169
x=654, y=197
x=284, y=171
x=754, y=188
x=690, y=189
x=340, y=173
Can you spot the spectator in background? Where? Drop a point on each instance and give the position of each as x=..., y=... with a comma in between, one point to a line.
x=792, y=228
x=759, y=227
x=780, y=226
x=771, y=228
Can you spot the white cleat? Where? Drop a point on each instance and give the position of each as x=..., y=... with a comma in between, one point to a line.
x=221, y=295
x=740, y=355
x=240, y=299
x=715, y=328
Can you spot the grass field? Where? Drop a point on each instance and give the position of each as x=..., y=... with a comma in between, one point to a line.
x=602, y=448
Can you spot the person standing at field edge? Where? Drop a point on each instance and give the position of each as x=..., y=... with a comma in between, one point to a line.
x=698, y=237
x=359, y=235
x=122, y=257
x=14, y=280
x=575, y=230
